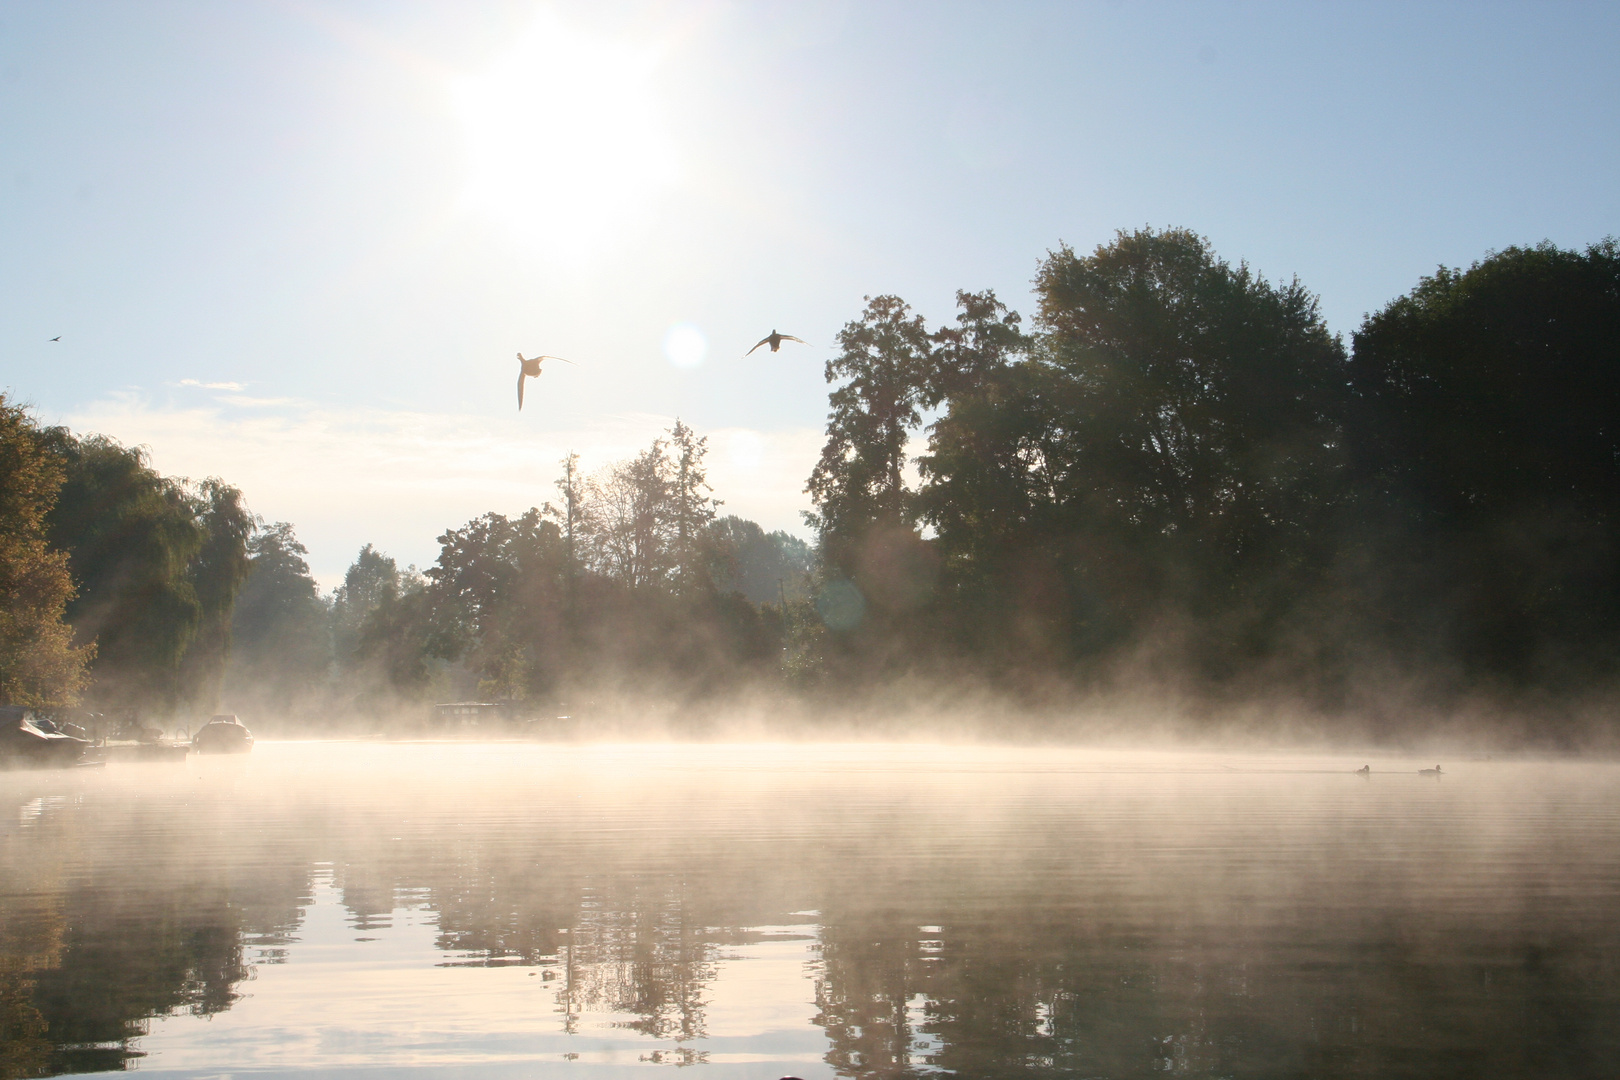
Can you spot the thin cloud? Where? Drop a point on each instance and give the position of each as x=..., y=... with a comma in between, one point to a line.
x=235, y=387
x=397, y=479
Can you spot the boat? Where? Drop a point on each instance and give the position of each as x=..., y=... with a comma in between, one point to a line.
x=27, y=744
x=223, y=734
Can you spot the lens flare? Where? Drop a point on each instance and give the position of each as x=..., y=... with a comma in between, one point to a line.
x=685, y=345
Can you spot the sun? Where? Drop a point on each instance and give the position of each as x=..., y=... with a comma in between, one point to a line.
x=565, y=144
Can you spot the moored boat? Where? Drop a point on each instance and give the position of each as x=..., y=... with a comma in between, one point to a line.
x=223, y=734
x=25, y=744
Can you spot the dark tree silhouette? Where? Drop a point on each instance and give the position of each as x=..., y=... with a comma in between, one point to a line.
x=1487, y=442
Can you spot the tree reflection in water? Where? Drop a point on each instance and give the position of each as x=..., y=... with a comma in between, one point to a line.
x=92, y=948
x=1048, y=933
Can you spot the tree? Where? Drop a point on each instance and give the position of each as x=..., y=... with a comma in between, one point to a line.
x=372, y=580
x=157, y=563
x=1190, y=431
x=1164, y=447
x=985, y=474
x=1203, y=399
x=281, y=641
x=1487, y=457
x=216, y=574
x=767, y=568
x=626, y=518
x=858, y=485
x=39, y=664
x=646, y=517
x=691, y=508
x=130, y=535
x=570, y=514
x=384, y=620
x=496, y=593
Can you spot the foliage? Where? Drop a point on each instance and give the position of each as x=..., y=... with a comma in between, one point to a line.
x=858, y=485
x=216, y=574
x=157, y=563
x=1163, y=446
x=620, y=582
x=130, y=535
x=39, y=664
x=1487, y=454
x=1173, y=474
x=496, y=592
x=643, y=520
x=767, y=568
x=1185, y=440
x=280, y=626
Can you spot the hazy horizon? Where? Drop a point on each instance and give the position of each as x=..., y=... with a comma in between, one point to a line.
x=297, y=246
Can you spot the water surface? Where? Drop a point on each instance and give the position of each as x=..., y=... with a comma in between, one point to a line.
x=865, y=911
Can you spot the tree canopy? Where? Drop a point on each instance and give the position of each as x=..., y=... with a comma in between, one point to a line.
x=1487, y=442
x=39, y=663
x=1173, y=475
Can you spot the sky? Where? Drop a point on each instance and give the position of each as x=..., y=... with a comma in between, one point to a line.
x=298, y=245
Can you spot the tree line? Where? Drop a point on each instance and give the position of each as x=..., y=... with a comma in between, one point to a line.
x=132, y=592
x=1175, y=477
x=629, y=582
x=1179, y=476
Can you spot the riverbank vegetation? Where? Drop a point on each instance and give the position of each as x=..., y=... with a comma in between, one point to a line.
x=1174, y=482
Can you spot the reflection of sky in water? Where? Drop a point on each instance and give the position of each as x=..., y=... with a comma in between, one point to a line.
x=871, y=911
x=385, y=997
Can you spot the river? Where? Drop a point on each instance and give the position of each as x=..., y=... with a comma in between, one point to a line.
x=749, y=911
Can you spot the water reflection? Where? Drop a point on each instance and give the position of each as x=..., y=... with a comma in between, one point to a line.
x=887, y=912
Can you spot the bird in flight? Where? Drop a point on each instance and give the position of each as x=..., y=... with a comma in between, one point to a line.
x=58, y=337
x=531, y=368
x=774, y=340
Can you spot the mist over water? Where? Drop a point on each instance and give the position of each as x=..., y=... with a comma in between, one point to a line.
x=817, y=909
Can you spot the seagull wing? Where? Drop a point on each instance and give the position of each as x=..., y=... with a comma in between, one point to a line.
x=762, y=341
x=790, y=337
x=556, y=358
x=521, y=377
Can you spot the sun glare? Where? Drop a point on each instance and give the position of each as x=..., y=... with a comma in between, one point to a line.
x=564, y=142
x=685, y=345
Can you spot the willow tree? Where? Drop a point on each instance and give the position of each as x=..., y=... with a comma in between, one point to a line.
x=216, y=574
x=157, y=563
x=39, y=663
x=130, y=535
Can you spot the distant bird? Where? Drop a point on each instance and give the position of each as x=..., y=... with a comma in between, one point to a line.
x=1365, y=770
x=1430, y=772
x=774, y=340
x=58, y=337
x=531, y=368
